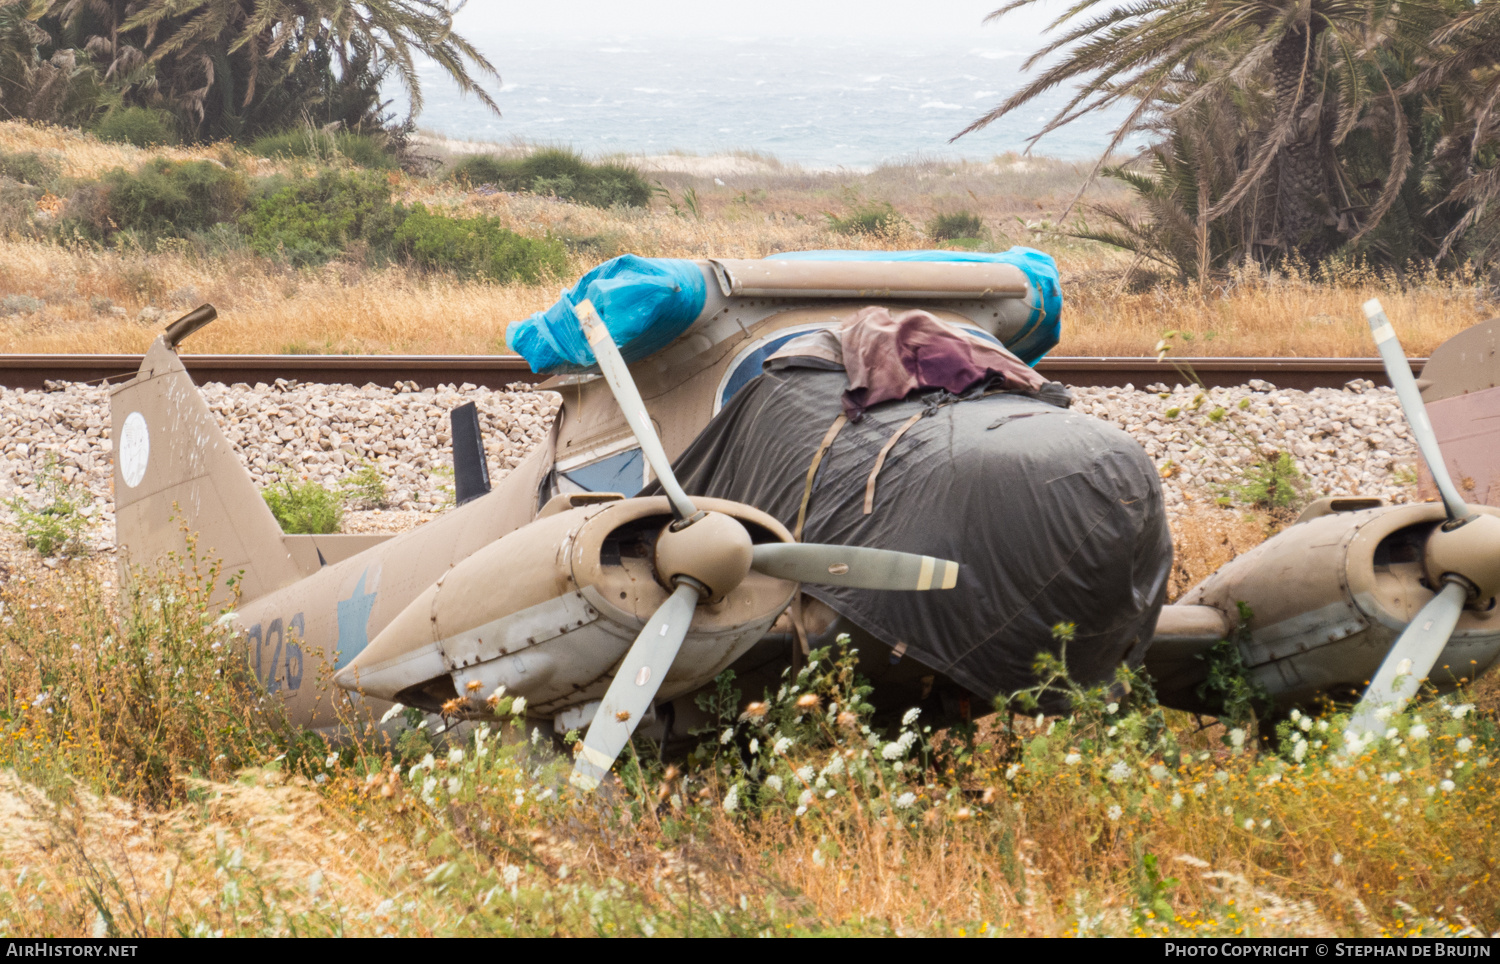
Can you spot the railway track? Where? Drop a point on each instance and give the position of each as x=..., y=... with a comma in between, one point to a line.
x=497, y=371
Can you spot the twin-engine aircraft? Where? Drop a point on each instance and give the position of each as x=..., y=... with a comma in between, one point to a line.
x=946, y=532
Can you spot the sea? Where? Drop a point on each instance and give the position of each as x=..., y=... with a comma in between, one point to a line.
x=820, y=103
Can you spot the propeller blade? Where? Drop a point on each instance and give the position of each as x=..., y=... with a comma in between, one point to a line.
x=1399, y=371
x=612, y=366
x=634, y=687
x=854, y=566
x=1410, y=660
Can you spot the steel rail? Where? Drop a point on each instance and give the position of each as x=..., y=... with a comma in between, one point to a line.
x=498, y=371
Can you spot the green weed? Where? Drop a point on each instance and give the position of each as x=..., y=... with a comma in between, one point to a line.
x=964, y=225
x=477, y=247
x=56, y=527
x=313, y=220
x=304, y=507
x=365, y=487
x=872, y=218
x=141, y=126
x=557, y=173
x=166, y=198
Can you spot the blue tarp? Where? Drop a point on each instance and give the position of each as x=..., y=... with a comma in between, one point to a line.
x=648, y=302
x=645, y=303
x=1042, y=330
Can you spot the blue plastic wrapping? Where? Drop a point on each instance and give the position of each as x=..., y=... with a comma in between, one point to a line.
x=645, y=304
x=1042, y=330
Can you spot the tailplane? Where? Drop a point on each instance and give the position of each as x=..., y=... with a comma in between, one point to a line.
x=176, y=473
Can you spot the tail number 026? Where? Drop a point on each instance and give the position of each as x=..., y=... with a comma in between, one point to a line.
x=276, y=653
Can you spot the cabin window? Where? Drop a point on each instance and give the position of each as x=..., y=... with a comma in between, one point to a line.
x=623, y=472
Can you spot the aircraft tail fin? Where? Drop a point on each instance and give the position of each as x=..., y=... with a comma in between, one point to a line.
x=176, y=472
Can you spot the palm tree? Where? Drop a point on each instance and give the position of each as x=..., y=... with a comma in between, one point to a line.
x=1316, y=53
x=212, y=61
x=1465, y=68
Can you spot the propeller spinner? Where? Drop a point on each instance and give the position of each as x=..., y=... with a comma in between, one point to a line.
x=705, y=555
x=1461, y=557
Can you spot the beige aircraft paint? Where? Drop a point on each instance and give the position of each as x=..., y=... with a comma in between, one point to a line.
x=531, y=608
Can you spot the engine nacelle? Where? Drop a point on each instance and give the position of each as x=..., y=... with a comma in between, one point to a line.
x=1328, y=598
x=549, y=610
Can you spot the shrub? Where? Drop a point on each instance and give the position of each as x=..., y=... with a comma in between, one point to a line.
x=560, y=173
x=874, y=218
x=951, y=227
x=365, y=487
x=1273, y=483
x=304, y=508
x=478, y=246
x=362, y=150
x=56, y=526
x=170, y=198
x=141, y=126
x=311, y=221
x=28, y=168
x=135, y=701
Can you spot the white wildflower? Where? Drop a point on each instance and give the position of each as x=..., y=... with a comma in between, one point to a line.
x=518, y=707
x=727, y=735
x=1112, y=731
x=1392, y=733
x=1299, y=752
x=1384, y=713
x=1461, y=710
x=774, y=782
x=1012, y=770
x=392, y=713
x=893, y=751
x=453, y=786
x=1176, y=801
x=1464, y=744
x=1296, y=715
x=1250, y=824
x=754, y=746
x=455, y=755
x=1306, y=724
x=1200, y=789
x=1447, y=786
x=1338, y=858
x=910, y=716
x=1112, y=708
x=805, y=774
x=1431, y=791
x=1119, y=772
x=732, y=799
x=1114, y=812
x=906, y=800
x=830, y=794
x=1072, y=759
x=781, y=745
x=1393, y=777
x=331, y=761
x=498, y=693
x=801, y=809
x=1237, y=737
x=805, y=797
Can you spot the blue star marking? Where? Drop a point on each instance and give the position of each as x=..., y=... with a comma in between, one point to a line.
x=354, y=618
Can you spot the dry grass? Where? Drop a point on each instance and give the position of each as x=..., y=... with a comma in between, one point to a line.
x=763, y=209
x=1081, y=825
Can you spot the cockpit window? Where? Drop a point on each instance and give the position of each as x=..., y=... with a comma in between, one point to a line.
x=623, y=472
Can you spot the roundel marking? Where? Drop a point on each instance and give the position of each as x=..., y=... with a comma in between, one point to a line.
x=135, y=449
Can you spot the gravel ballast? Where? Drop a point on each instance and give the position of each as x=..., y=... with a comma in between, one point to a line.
x=1347, y=442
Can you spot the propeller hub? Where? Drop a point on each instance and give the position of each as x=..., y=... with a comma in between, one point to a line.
x=1469, y=550
x=714, y=551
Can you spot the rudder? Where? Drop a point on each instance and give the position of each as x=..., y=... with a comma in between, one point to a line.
x=176, y=472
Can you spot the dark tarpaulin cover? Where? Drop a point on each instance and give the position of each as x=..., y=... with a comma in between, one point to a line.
x=1054, y=516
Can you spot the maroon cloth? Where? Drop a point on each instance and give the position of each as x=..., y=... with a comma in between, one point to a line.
x=889, y=357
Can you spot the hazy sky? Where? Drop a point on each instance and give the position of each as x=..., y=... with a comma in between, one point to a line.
x=948, y=19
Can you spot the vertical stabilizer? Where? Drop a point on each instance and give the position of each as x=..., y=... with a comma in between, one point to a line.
x=175, y=472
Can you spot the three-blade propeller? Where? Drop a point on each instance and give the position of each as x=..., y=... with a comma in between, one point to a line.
x=1462, y=556
x=704, y=555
